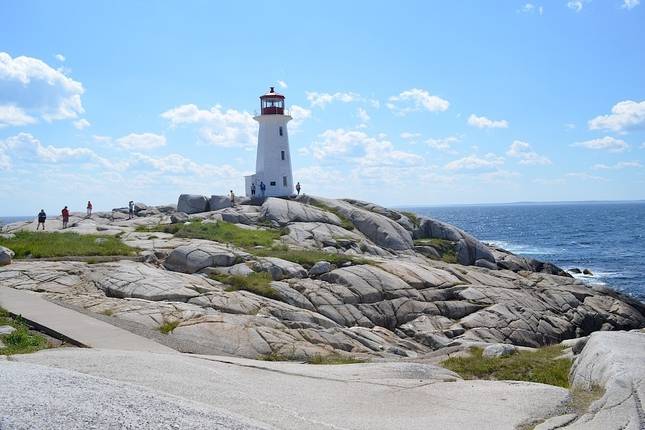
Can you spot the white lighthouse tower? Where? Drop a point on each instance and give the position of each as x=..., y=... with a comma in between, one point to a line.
x=273, y=162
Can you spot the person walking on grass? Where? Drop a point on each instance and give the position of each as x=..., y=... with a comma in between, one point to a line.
x=42, y=217
x=298, y=187
x=130, y=209
x=232, y=195
x=89, y=208
x=65, y=214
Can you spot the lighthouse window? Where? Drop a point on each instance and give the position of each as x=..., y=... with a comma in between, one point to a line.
x=272, y=183
x=284, y=181
x=282, y=154
x=281, y=135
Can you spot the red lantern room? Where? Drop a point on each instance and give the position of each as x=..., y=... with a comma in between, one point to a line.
x=272, y=103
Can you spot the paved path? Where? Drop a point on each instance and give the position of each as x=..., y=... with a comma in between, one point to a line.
x=78, y=328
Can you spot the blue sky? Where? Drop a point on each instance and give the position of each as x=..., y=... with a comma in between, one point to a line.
x=415, y=104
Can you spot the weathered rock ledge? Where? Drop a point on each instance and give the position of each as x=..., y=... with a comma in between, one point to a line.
x=420, y=284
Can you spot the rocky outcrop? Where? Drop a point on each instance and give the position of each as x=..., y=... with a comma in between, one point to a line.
x=279, y=269
x=197, y=256
x=612, y=363
x=469, y=250
x=378, y=228
x=510, y=261
x=5, y=256
x=285, y=211
x=192, y=203
x=219, y=202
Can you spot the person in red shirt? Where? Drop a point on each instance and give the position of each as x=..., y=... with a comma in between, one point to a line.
x=89, y=208
x=65, y=214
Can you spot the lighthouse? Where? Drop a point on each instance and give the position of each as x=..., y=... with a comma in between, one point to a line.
x=273, y=161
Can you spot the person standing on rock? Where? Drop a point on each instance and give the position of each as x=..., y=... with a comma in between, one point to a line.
x=253, y=190
x=65, y=214
x=298, y=188
x=232, y=195
x=263, y=188
x=130, y=209
x=42, y=217
x=89, y=208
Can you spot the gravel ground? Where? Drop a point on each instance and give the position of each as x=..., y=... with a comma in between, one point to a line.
x=38, y=397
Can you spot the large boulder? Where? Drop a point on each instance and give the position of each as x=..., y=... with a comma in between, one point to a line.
x=219, y=202
x=198, y=255
x=5, y=256
x=279, y=268
x=192, y=203
x=285, y=211
x=380, y=229
x=469, y=249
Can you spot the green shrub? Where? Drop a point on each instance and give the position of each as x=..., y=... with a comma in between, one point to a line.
x=447, y=249
x=333, y=359
x=223, y=232
x=21, y=341
x=48, y=244
x=538, y=366
x=307, y=258
x=257, y=283
x=345, y=222
x=414, y=218
x=168, y=326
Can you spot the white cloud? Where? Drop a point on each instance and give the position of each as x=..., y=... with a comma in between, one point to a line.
x=360, y=148
x=569, y=126
x=101, y=139
x=362, y=115
x=531, y=8
x=282, y=84
x=11, y=115
x=630, y=4
x=178, y=164
x=323, y=99
x=483, y=122
x=498, y=176
x=443, y=144
x=585, y=176
x=27, y=148
x=525, y=153
x=60, y=57
x=230, y=128
x=416, y=99
x=38, y=90
x=575, y=5
x=475, y=162
x=299, y=115
x=406, y=135
x=624, y=116
x=609, y=143
x=141, y=142
x=619, y=166
x=81, y=124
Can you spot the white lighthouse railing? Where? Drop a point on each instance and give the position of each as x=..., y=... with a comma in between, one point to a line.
x=286, y=112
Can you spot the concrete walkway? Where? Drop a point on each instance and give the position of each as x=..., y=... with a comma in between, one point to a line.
x=73, y=326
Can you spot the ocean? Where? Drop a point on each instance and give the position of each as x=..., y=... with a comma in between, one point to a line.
x=606, y=238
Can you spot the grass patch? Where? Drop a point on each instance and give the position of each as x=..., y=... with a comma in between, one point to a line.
x=345, y=222
x=274, y=356
x=446, y=248
x=333, y=359
x=168, y=326
x=46, y=244
x=223, y=232
x=539, y=366
x=414, y=218
x=307, y=258
x=21, y=341
x=257, y=283
x=581, y=399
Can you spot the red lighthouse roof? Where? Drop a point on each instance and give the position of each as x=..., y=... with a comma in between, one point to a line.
x=272, y=94
x=272, y=103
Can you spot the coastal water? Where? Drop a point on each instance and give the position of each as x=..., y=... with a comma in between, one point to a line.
x=606, y=238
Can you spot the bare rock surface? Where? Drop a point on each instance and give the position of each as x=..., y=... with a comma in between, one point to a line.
x=284, y=211
x=5, y=256
x=198, y=255
x=292, y=395
x=192, y=203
